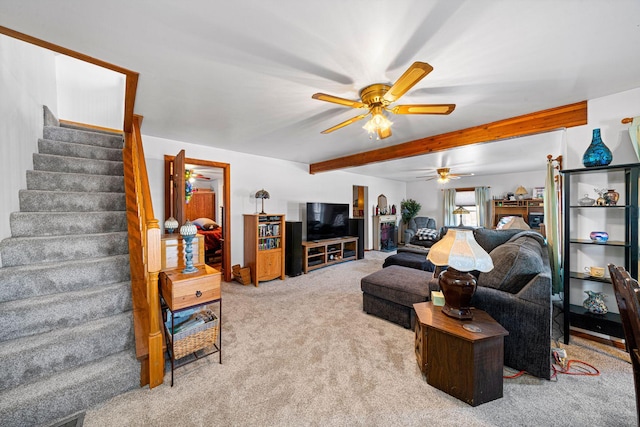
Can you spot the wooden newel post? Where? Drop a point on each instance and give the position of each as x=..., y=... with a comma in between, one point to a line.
x=156, y=358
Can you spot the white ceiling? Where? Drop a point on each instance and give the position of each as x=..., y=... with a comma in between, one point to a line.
x=239, y=75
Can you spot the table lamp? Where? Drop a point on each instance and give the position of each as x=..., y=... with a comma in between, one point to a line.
x=171, y=224
x=460, y=211
x=460, y=251
x=262, y=194
x=520, y=192
x=188, y=231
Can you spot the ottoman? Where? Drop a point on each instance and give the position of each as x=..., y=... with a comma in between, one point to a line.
x=391, y=292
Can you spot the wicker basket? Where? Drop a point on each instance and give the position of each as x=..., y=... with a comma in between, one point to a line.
x=241, y=274
x=194, y=339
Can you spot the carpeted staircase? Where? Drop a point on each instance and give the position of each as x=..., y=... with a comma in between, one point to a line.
x=66, y=329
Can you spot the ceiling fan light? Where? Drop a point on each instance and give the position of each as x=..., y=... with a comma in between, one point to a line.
x=443, y=179
x=377, y=122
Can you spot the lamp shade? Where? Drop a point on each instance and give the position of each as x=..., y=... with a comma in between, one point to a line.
x=171, y=224
x=458, y=249
x=521, y=191
x=460, y=211
x=262, y=194
x=516, y=222
x=188, y=229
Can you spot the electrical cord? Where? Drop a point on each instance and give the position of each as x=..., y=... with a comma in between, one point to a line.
x=563, y=366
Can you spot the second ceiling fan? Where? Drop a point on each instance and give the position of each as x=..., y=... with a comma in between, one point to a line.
x=443, y=175
x=377, y=97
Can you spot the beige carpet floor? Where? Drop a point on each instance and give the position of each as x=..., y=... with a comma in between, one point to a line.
x=301, y=352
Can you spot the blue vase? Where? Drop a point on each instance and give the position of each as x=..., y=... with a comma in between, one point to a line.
x=597, y=153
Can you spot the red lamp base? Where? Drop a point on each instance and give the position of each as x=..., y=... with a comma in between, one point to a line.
x=458, y=287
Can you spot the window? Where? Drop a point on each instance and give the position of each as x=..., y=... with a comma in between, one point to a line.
x=467, y=199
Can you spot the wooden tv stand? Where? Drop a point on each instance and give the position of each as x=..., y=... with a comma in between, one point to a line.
x=322, y=253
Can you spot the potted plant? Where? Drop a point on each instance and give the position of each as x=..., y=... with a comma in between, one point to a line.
x=409, y=209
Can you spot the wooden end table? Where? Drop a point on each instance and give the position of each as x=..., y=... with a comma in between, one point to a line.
x=463, y=358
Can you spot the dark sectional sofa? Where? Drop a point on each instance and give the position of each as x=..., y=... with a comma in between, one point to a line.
x=516, y=293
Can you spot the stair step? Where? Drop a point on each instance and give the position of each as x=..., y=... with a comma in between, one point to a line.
x=30, y=250
x=52, y=163
x=87, y=137
x=69, y=201
x=31, y=358
x=72, y=149
x=64, y=393
x=46, y=313
x=60, y=181
x=29, y=224
x=28, y=281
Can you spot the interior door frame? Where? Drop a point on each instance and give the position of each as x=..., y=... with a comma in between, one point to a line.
x=226, y=203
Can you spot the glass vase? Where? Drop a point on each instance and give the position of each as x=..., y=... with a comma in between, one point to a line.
x=597, y=153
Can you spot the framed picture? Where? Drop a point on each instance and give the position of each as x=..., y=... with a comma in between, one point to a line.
x=537, y=193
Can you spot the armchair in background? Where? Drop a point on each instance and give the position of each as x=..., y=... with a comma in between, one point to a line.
x=422, y=238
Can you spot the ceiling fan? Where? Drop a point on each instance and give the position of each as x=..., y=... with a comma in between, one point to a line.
x=377, y=97
x=443, y=175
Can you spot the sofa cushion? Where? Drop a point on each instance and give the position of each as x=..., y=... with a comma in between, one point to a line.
x=490, y=239
x=402, y=285
x=515, y=263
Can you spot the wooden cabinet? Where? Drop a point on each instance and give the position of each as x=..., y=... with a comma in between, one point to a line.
x=531, y=210
x=264, y=244
x=322, y=253
x=619, y=220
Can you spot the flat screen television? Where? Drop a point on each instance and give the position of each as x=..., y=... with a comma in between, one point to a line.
x=327, y=220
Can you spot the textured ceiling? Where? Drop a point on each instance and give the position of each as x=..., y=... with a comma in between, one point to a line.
x=240, y=75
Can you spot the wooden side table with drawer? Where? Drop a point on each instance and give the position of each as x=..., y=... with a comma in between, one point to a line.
x=463, y=358
x=180, y=291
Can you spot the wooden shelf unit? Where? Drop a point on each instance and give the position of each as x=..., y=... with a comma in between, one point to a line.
x=264, y=244
x=523, y=208
x=322, y=253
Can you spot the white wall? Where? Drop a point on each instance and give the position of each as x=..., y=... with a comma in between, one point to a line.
x=27, y=82
x=289, y=184
x=89, y=94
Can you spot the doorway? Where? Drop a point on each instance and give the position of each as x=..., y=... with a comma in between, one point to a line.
x=359, y=209
x=215, y=177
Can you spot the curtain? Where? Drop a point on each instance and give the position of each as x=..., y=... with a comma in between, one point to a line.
x=449, y=207
x=482, y=205
x=552, y=227
x=634, y=134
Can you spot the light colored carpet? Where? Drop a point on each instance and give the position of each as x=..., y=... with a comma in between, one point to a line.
x=301, y=352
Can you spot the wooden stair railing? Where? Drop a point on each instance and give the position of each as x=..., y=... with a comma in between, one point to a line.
x=144, y=254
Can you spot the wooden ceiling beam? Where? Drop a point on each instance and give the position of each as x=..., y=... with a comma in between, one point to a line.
x=541, y=121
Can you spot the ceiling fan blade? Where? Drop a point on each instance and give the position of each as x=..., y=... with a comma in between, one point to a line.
x=337, y=100
x=429, y=178
x=416, y=72
x=423, y=109
x=382, y=134
x=459, y=175
x=345, y=123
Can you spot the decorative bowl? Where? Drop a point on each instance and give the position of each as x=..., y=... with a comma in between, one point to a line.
x=599, y=236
